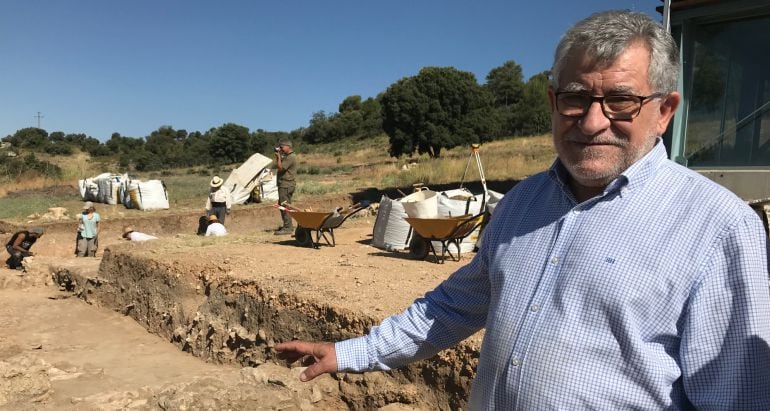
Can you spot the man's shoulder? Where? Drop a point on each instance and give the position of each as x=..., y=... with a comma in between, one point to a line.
x=531, y=184
x=677, y=186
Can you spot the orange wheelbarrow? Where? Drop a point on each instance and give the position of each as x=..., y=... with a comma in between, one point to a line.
x=447, y=230
x=320, y=223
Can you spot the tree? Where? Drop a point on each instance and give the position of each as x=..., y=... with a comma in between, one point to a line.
x=30, y=137
x=506, y=83
x=533, y=114
x=371, y=118
x=162, y=143
x=229, y=144
x=432, y=110
x=351, y=103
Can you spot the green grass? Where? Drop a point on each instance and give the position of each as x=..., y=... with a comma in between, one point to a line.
x=19, y=208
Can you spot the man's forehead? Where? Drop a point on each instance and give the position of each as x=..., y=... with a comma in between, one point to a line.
x=627, y=72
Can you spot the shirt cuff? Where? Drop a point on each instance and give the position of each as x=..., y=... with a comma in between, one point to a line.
x=352, y=355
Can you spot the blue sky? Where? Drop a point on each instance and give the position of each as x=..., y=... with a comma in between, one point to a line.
x=98, y=67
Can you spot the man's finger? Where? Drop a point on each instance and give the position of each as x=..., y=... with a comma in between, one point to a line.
x=299, y=347
x=315, y=370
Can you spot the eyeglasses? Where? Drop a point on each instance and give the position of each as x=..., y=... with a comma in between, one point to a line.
x=614, y=107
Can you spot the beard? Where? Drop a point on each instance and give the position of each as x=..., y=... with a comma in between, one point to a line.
x=598, y=160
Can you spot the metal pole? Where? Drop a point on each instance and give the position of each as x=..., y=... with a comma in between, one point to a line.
x=38, y=116
x=667, y=15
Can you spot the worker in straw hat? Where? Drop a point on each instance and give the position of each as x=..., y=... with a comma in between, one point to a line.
x=215, y=228
x=131, y=235
x=219, y=201
x=19, y=246
x=88, y=231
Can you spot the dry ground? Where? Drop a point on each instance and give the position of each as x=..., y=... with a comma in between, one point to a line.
x=92, y=357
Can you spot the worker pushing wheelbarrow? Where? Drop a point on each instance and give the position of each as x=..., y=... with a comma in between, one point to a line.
x=320, y=223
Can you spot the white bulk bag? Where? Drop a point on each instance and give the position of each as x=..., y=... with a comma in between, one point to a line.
x=268, y=186
x=421, y=204
x=391, y=231
x=149, y=195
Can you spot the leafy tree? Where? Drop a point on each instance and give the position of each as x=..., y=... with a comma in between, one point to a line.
x=93, y=146
x=320, y=128
x=533, y=114
x=58, y=149
x=75, y=139
x=147, y=161
x=196, y=148
x=229, y=144
x=56, y=137
x=506, y=83
x=351, y=103
x=371, y=118
x=30, y=137
x=430, y=111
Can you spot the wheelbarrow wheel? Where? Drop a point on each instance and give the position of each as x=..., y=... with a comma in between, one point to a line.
x=418, y=247
x=303, y=236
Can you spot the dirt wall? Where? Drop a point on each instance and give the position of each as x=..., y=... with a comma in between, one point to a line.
x=212, y=312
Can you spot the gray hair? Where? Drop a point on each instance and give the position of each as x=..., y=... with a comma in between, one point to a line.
x=605, y=35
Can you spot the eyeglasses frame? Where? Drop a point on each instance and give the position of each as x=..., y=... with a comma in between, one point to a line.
x=600, y=99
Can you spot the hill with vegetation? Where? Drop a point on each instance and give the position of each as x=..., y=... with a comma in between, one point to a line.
x=346, y=167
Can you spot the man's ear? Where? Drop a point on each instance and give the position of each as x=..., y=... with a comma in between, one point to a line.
x=668, y=106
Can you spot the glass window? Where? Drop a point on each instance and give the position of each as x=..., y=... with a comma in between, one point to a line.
x=728, y=122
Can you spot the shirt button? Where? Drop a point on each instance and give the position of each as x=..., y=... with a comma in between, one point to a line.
x=515, y=362
x=535, y=308
x=554, y=260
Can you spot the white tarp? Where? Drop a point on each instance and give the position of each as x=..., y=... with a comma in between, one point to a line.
x=242, y=181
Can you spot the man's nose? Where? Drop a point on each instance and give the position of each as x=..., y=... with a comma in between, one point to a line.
x=594, y=121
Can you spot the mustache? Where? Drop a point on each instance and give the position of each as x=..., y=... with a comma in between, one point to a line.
x=605, y=138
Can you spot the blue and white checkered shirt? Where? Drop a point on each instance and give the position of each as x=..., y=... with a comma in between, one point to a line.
x=653, y=295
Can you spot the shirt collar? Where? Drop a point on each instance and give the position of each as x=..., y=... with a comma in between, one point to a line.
x=630, y=179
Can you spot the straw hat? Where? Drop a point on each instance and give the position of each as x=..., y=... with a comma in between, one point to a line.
x=37, y=230
x=213, y=217
x=127, y=230
x=87, y=205
x=216, y=182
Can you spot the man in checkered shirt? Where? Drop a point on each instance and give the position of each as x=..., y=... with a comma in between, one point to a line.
x=616, y=279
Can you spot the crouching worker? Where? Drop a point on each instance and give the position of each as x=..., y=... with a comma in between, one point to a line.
x=131, y=235
x=215, y=228
x=19, y=246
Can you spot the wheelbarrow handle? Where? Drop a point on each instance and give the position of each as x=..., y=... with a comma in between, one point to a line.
x=290, y=207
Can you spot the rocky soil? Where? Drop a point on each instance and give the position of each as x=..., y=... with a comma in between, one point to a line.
x=226, y=301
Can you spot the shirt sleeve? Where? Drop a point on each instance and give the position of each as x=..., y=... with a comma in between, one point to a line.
x=453, y=311
x=725, y=346
x=289, y=162
x=208, y=202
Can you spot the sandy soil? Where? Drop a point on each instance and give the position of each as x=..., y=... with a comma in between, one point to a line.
x=95, y=357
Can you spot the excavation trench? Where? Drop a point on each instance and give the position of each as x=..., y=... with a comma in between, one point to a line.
x=229, y=301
